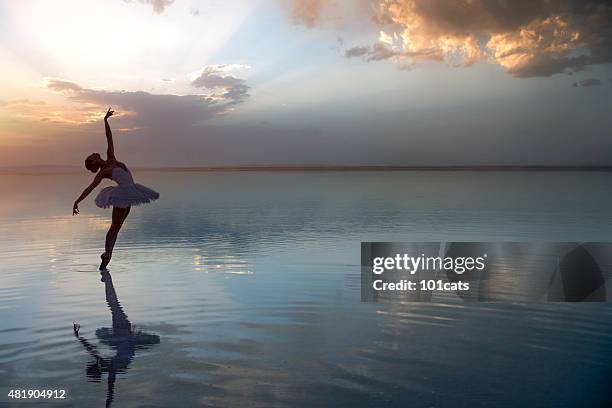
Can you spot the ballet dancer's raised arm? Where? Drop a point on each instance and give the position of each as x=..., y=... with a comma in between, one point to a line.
x=110, y=152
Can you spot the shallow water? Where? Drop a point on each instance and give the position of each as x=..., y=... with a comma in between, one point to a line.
x=243, y=288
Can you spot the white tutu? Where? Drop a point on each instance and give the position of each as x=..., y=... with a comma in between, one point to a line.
x=126, y=193
x=125, y=196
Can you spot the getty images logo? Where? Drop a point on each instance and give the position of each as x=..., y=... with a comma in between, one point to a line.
x=412, y=264
x=512, y=271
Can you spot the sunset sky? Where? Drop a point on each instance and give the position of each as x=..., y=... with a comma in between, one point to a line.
x=370, y=82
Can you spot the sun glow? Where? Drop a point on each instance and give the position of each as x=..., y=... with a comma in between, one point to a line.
x=124, y=46
x=105, y=46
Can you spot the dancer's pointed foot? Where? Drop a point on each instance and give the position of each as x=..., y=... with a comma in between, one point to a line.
x=105, y=260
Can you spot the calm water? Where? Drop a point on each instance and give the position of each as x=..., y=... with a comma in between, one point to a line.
x=243, y=290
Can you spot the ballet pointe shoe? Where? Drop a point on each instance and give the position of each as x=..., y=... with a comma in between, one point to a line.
x=105, y=260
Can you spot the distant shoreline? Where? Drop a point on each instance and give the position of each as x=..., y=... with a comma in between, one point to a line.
x=58, y=169
x=380, y=168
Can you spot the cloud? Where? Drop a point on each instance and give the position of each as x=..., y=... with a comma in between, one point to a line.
x=26, y=110
x=21, y=103
x=588, y=82
x=311, y=13
x=142, y=109
x=150, y=110
x=60, y=85
x=159, y=6
x=381, y=51
x=358, y=51
x=221, y=83
x=528, y=39
x=308, y=12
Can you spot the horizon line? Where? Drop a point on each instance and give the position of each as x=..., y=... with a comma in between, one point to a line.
x=71, y=169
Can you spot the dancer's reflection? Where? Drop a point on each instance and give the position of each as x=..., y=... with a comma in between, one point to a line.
x=123, y=338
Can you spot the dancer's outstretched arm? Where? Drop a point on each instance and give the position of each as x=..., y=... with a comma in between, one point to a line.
x=97, y=179
x=91, y=349
x=110, y=152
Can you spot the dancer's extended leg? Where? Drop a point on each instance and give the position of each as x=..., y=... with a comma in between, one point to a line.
x=119, y=216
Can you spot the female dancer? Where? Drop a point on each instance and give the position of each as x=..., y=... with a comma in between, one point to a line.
x=120, y=197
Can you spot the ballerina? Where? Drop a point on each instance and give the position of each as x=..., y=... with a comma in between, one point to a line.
x=120, y=197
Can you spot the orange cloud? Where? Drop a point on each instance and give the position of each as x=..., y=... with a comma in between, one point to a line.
x=537, y=38
x=40, y=111
x=307, y=12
